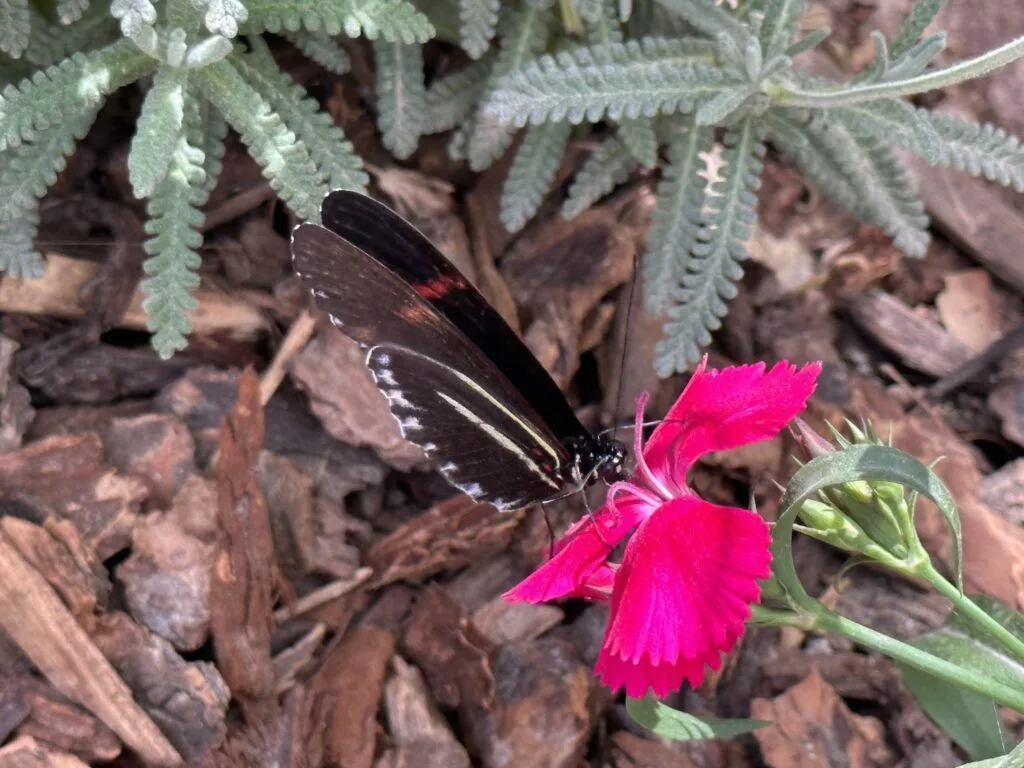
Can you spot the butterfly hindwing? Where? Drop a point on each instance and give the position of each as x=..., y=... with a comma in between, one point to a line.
x=391, y=240
x=447, y=396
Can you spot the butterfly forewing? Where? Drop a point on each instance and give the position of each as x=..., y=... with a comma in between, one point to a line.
x=403, y=249
x=447, y=396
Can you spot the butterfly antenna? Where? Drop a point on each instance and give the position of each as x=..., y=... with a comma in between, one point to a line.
x=627, y=324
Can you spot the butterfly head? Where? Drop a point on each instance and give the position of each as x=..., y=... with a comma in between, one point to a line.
x=611, y=459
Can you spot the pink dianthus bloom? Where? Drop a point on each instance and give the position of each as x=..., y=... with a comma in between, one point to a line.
x=682, y=593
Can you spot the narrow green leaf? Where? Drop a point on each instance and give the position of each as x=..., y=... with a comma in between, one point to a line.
x=392, y=20
x=157, y=131
x=917, y=59
x=980, y=149
x=477, y=21
x=536, y=163
x=321, y=48
x=647, y=77
x=920, y=17
x=708, y=17
x=811, y=40
x=608, y=166
x=894, y=119
x=401, y=97
x=451, y=99
x=781, y=18
x=680, y=726
x=715, y=110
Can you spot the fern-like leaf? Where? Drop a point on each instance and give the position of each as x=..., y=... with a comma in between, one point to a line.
x=222, y=17
x=60, y=92
x=645, y=77
x=714, y=264
x=69, y=11
x=780, y=22
x=707, y=17
x=477, y=21
x=322, y=49
x=641, y=139
x=50, y=43
x=893, y=120
x=401, y=97
x=26, y=172
x=15, y=25
x=392, y=20
x=677, y=217
x=134, y=15
x=980, y=149
x=158, y=130
x=862, y=174
x=174, y=222
x=330, y=151
x=602, y=21
x=285, y=159
x=213, y=129
x=451, y=99
x=524, y=33
x=608, y=166
x=918, y=19
x=536, y=163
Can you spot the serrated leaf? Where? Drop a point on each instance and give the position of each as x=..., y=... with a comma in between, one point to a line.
x=980, y=149
x=451, y=99
x=715, y=110
x=892, y=119
x=781, y=18
x=321, y=48
x=392, y=20
x=477, y=21
x=330, y=151
x=714, y=264
x=284, y=159
x=676, y=218
x=639, y=136
x=680, y=726
x=647, y=77
x=608, y=166
x=400, y=96
x=49, y=43
x=15, y=25
x=77, y=84
x=133, y=15
x=920, y=16
x=536, y=162
x=157, y=131
x=602, y=23
x=222, y=17
x=856, y=462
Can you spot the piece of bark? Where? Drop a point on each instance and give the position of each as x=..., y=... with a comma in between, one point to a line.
x=811, y=727
x=419, y=731
x=295, y=658
x=289, y=495
x=543, y=711
x=166, y=580
x=16, y=411
x=76, y=419
x=486, y=579
x=348, y=688
x=188, y=700
x=36, y=619
x=342, y=393
x=57, y=553
x=67, y=478
x=453, y=533
x=630, y=751
x=59, y=723
x=26, y=752
x=1003, y=491
x=1007, y=402
x=503, y=622
x=245, y=574
x=58, y=294
x=916, y=341
x=155, y=447
x=278, y=742
x=14, y=703
x=452, y=653
x=967, y=308
x=333, y=553
x=195, y=508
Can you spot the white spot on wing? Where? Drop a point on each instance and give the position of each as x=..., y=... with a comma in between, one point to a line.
x=473, y=489
x=451, y=466
x=410, y=424
x=384, y=358
x=320, y=293
x=335, y=321
x=395, y=397
x=385, y=377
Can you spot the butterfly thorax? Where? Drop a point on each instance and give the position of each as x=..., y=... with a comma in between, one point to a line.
x=597, y=457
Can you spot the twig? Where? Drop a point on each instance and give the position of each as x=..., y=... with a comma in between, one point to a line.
x=321, y=596
x=978, y=364
x=300, y=332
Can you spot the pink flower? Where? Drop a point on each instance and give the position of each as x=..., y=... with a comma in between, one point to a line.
x=681, y=595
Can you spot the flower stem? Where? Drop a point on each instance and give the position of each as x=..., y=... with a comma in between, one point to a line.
x=926, y=662
x=970, y=610
x=788, y=95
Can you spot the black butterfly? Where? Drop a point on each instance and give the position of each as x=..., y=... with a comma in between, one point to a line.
x=458, y=380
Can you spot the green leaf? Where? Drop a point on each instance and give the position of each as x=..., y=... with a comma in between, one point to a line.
x=641, y=139
x=811, y=40
x=895, y=120
x=50, y=43
x=134, y=15
x=715, y=110
x=69, y=11
x=781, y=18
x=451, y=99
x=284, y=159
x=608, y=166
x=15, y=25
x=676, y=218
x=602, y=23
x=708, y=17
x=680, y=726
x=920, y=17
x=1013, y=759
x=714, y=264
x=60, y=92
x=980, y=149
x=401, y=96
x=330, y=151
x=536, y=163
x=157, y=131
x=477, y=21
x=647, y=77
x=222, y=17
x=322, y=49
x=856, y=462
x=174, y=222
x=392, y=20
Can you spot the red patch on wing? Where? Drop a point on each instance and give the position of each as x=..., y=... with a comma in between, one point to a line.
x=438, y=287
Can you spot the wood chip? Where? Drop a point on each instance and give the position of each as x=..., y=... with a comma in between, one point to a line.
x=289, y=495
x=26, y=752
x=16, y=411
x=61, y=724
x=634, y=752
x=967, y=308
x=1003, y=491
x=155, y=447
x=33, y=615
x=504, y=622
